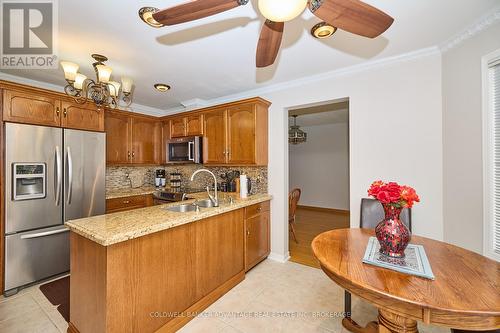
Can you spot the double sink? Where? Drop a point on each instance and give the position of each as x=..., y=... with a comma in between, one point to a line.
x=192, y=207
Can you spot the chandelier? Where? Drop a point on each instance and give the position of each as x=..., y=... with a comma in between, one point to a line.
x=102, y=91
x=295, y=134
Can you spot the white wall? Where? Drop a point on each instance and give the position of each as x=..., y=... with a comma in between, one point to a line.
x=320, y=166
x=462, y=139
x=395, y=134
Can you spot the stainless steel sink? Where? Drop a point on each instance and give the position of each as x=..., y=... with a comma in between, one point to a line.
x=207, y=203
x=184, y=208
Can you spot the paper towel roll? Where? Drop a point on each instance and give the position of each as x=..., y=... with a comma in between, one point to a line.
x=243, y=186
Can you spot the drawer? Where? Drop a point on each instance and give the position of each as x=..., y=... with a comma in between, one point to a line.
x=257, y=209
x=126, y=203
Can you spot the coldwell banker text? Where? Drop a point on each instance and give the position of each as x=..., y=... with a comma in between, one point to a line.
x=29, y=34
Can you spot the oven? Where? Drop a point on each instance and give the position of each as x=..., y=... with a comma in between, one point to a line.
x=185, y=150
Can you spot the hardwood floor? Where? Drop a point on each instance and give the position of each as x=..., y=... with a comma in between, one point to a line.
x=310, y=223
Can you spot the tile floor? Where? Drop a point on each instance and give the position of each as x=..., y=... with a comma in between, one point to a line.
x=274, y=298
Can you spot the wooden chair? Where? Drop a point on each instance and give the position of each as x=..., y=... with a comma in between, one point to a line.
x=293, y=200
x=372, y=213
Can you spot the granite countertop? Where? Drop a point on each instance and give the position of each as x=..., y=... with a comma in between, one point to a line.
x=114, y=228
x=129, y=192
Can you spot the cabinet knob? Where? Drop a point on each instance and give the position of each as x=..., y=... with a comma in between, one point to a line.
x=57, y=111
x=65, y=112
x=126, y=201
x=259, y=209
x=248, y=232
x=128, y=154
x=133, y=154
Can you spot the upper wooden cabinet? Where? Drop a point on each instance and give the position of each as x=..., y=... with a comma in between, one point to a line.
x=146, y=136
x=118, y=138
x=132, y=139
x=215, y=139
x=84, y=117
x=31, y=106
x=236, y=135
x=186, y=126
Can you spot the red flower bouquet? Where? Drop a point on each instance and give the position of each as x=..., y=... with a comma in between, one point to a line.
x=391, y=232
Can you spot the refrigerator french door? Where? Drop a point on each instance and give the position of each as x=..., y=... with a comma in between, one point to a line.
x=52, y=175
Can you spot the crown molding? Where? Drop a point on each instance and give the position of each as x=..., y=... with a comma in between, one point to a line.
x=483, y=23
x=137, y=108
x=365, y=66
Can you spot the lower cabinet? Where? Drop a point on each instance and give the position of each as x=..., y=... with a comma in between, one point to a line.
x=257, y=229
x=128, y=203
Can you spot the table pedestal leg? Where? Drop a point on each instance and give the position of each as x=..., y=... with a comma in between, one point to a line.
x=388, y=322
x=393, y=323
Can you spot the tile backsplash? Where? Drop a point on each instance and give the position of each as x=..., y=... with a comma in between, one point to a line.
x=119, y=177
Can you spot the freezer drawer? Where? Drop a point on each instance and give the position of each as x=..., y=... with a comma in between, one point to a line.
x=35, y=255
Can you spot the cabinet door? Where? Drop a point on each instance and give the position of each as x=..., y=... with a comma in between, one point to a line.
x=214, y=140
x=31, y=108
x=118, y=131
x=178, y=127
x=146, y=141
x=165, y=136
x=194, y=125
x=241, y=134
x=257, y=239
x=84, y=117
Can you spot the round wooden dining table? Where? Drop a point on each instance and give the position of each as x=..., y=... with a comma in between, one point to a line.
x=464, y=295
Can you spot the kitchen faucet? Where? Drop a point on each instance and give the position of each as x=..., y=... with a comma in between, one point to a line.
x=215, y=197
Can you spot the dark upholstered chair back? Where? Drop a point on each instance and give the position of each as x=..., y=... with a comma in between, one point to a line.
x=372, y=213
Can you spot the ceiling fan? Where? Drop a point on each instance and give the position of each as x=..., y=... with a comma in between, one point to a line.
x=350, y=15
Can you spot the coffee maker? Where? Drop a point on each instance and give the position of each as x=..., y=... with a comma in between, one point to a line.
x=160, y=178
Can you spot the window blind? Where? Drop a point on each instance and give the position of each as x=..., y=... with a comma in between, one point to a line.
x=494, y=74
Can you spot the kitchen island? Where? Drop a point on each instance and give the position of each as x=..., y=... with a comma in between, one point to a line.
x=152, y=270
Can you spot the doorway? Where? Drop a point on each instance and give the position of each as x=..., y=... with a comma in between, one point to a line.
x=318, y=166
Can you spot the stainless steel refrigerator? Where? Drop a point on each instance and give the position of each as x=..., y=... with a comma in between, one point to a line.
x=52, y=175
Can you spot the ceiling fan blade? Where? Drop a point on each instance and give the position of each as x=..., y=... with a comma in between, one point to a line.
x=269, y=43
x=195, y=10
x=352, y=15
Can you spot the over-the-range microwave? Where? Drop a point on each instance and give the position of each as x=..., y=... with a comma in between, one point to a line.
x=185, y=150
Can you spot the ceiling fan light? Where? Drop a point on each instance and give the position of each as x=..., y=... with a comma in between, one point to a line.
x=146, y=14
x=282, y=10
x=162, y=87
x=323, y=30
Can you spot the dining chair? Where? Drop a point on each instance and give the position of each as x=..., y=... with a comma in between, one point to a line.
x=293, y=200
x=372, y=213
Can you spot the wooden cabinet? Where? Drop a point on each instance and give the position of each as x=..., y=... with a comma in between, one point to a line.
x=257, y=229
x=132, y=139
x=30, y=108
x=84, y=117
x=215, y=138
x=165, y=136
x=118, y=139
x=177, y=127
x=128, y=203
x=236, y=135
x=146, y=137
x=186, y=126
x=194, y=125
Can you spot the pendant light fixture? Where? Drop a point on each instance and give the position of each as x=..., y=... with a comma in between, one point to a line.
x=295, y=134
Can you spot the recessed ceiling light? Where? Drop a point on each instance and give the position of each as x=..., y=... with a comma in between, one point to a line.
x=323, y=30
x=146, y=14
x=162, y=87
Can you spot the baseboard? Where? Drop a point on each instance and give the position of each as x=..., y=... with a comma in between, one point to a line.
x=279, y=257
x=327, y=210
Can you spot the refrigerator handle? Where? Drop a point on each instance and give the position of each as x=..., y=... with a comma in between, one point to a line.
x=58, y=180
x=70, y=175
x=45, y=233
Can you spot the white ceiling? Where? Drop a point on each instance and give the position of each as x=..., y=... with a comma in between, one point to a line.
x=215, y=56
